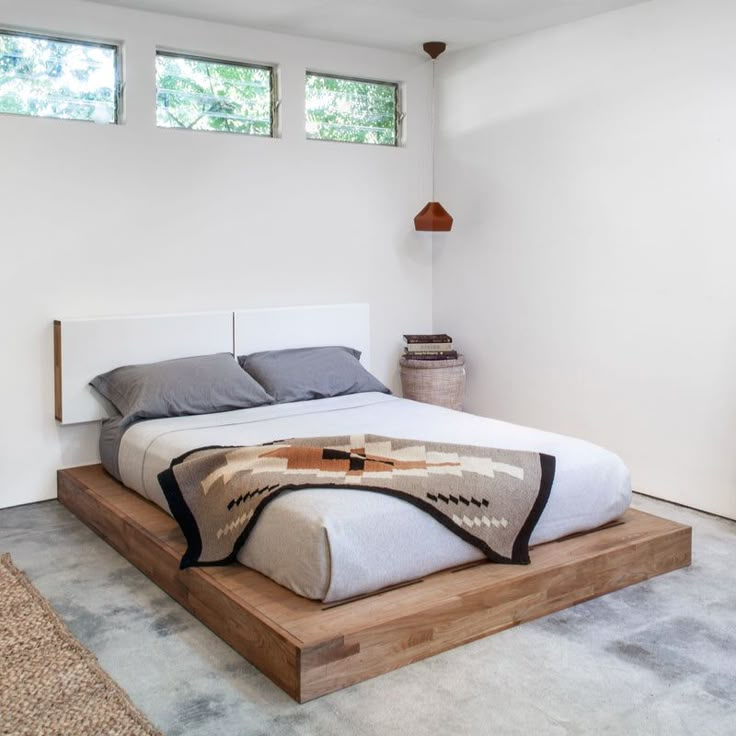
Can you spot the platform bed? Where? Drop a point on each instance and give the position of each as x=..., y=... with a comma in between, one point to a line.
x=310, y=648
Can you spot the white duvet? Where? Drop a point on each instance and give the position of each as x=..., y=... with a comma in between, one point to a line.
x=333, y=544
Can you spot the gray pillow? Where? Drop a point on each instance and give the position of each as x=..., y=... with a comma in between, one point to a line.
x=301, y=374
x=201, y=385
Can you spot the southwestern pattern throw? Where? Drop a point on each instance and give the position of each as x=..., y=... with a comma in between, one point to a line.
x=491, y=498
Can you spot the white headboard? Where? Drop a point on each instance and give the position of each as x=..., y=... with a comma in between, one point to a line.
x=84, y=348
x=302, y=327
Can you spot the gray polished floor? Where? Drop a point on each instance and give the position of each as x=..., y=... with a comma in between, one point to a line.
x=656, y=658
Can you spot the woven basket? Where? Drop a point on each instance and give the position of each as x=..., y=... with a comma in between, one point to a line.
x=440, y=382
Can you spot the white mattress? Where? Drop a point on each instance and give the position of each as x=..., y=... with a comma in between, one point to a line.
x=334, y=544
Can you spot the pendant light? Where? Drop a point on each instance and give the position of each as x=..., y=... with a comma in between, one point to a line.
x=433, y=217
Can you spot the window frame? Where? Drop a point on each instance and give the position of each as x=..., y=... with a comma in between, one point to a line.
x=117, y=50
x=399, y=115
x=273, y=107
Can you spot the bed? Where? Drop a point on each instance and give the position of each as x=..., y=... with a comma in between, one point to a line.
x=344, y=543
x=362, y=556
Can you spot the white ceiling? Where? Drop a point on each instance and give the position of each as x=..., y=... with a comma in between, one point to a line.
x=393, y=24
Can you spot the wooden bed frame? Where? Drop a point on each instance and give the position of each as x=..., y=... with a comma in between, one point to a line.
x=306, y=647
x=309, y=648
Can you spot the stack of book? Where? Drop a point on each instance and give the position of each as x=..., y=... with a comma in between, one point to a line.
x=429, y=347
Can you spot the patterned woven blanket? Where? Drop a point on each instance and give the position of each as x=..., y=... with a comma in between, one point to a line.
x=490, y=498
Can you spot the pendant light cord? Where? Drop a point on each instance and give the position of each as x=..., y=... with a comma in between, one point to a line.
x=434, y=97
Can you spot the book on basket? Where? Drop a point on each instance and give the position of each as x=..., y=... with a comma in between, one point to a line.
x=419, y=339
x=438, y=355
x=429, y=347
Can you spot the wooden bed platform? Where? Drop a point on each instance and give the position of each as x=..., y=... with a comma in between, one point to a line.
x=310, y=649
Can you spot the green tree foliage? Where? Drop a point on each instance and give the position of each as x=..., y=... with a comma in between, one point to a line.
x=350, y=110
x=209, y=95
x=47, y=78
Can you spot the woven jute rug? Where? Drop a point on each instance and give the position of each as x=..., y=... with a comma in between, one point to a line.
x=50, y=685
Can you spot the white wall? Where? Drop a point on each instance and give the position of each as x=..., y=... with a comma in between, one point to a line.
x=591, y=171
x=104, y=220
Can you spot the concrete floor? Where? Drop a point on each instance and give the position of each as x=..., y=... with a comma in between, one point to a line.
x=656, y=658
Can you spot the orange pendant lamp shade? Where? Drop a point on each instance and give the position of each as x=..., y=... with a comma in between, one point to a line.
x=433, y=218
